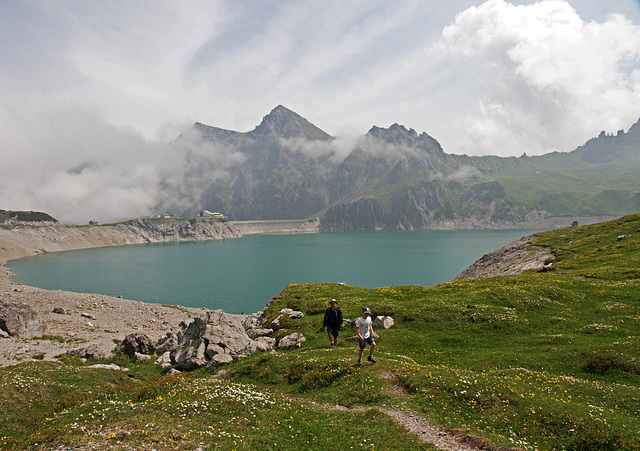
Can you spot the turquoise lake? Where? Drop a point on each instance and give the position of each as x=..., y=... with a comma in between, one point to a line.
x=243, y=274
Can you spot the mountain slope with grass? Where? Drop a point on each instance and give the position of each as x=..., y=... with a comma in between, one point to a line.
x=535, y=361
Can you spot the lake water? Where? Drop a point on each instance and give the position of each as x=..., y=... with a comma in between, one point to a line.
x=243, y=274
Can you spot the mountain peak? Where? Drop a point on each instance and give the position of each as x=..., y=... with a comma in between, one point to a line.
x=396, y=134
x=635, y=128
x=284, y=123
x=401, y=136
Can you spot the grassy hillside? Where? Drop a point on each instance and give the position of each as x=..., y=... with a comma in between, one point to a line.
x=537, y=361
x=31, y=216
x=596, y=178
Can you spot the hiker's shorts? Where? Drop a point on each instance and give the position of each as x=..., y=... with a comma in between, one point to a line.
x=364, y=342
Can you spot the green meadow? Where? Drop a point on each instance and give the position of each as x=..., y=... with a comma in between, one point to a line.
x=538, y=361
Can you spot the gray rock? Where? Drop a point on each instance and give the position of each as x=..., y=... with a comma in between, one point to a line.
x=191, y=355
x=168, y=343
x=137, y=357
x=213, y=349
x=4, y=334
x=212, y=339
x=293, y=340
x=253, y=321
x=110, y=366
x=265, y=344
x=219, y=359
x=21, y=320
x=294, y=314
x=59, y=310
x=383, y=322
x=136, y=342
x=255, y=333
x=90, y=352
x=164, y=361
x=275, y=324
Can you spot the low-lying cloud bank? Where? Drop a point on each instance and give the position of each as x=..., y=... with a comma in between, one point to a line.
x=90, y=95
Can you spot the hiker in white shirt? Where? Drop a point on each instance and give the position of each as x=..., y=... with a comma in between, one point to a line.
x=365, y=335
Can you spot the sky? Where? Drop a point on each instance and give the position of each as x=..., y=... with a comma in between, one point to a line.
x=91, y=92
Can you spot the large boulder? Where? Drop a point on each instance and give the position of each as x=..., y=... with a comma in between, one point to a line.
x=164, y=361
x=191, y=355
x=254, y=334
x=384, y=322
x=90, y=352
x=136, y=343
x=211, y=340
x=137, y=357
x=169, y=343
x=21, y=320
x=293, y=314
x=265, y=344
x=293, y=340
x=253, y=321
x=276, y=324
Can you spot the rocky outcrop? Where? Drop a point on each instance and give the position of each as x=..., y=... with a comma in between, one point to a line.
x=26, y=240
x=136, y=343
x=276, y=323
x=216, y=338
x=195, y=229
x=212, y=339
x=90, y=352
x=512, y=259
x=436, y=205
x=293, y=340
x=21, y=320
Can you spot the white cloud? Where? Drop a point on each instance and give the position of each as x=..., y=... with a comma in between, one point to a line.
x=77, y=168
x=88, y=89
x=545, y=78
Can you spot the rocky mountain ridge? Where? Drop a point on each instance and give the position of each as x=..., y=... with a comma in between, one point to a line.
x=394, y=178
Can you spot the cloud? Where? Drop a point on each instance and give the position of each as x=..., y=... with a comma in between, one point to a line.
x=77, y=168
x=91, y=92
x=544, y=77
x=335, y=149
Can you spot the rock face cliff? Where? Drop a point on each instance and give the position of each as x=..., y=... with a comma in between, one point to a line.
x=26, y=240
x=510, y=260
x=395, y=179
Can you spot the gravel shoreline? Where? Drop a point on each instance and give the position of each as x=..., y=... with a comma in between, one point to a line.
x=90, y=319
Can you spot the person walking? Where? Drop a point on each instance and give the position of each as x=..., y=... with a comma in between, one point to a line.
x=333, y=322
x=365, y=334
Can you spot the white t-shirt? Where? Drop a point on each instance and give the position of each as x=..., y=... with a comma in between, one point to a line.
x=363, y=325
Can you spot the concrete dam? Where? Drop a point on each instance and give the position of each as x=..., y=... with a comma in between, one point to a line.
x=278, y=226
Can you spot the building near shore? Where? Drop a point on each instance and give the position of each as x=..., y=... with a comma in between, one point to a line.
x=211, y=214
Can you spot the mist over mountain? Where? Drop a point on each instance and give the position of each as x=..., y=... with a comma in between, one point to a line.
x=395, y=178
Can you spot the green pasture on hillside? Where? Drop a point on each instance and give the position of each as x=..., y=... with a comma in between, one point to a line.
x=539, y=361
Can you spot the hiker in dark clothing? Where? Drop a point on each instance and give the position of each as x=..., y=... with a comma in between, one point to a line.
x=333, y=322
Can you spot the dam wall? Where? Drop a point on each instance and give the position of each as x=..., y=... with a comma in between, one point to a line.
x=277, y=226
